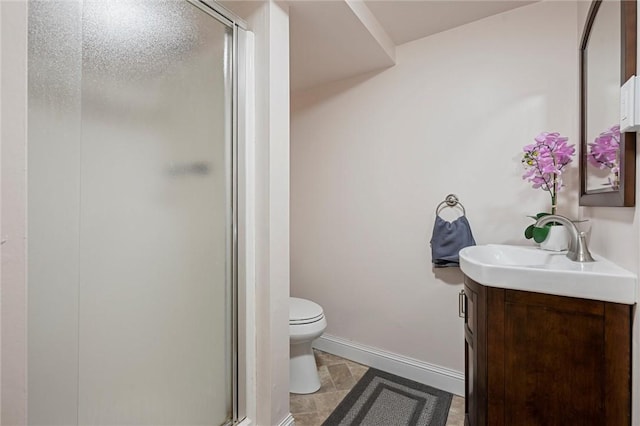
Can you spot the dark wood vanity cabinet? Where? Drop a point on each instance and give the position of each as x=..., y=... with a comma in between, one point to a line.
x=539, y=359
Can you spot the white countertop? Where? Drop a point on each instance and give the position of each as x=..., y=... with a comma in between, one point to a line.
x=533, y=269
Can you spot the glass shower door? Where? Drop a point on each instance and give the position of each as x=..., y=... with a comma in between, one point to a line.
x=153, y=174
x=155, y=216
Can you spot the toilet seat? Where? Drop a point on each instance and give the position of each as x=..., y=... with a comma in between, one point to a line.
x=302, y=311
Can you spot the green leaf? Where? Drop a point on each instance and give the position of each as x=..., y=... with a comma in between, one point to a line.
x=528, y=233
x=539, y=215
x=540, y=234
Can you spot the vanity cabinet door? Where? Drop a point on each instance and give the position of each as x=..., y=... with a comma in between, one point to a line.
x=563, y=362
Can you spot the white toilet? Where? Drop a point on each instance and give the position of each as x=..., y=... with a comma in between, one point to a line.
x=306, y=323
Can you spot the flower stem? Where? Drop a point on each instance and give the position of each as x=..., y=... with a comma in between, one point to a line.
x=553, y=193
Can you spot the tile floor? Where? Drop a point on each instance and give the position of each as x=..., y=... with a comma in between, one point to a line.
x=337, y=377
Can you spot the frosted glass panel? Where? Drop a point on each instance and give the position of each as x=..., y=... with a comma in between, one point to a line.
x=154, y=215
x=55, y=59
x=130, y=173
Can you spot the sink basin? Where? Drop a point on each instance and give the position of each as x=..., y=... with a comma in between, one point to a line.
x=532, y=269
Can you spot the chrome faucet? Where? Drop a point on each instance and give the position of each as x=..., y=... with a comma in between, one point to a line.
x=578, y=251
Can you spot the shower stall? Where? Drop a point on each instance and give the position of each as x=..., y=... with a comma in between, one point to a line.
x=133, y=111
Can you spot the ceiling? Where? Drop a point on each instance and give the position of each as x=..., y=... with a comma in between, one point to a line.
x=335, y=39
x=405, y=21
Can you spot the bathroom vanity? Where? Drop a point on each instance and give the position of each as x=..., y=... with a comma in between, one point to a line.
x=538, y=359
x=539, y=353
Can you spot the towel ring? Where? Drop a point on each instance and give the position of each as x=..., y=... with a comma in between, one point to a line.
x=451, y=200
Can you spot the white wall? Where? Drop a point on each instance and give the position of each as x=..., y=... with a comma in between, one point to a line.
x=615, y=233
x=372, y=156
x=272, y=225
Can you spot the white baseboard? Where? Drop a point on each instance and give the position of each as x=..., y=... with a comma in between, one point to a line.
x=409, y=368
x=288, y=421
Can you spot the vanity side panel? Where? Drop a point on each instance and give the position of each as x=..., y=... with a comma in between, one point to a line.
x=480, y=342
x=475, y=354
x=617, y=335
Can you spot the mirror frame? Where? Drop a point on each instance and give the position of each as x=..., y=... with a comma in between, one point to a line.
x=625, y=196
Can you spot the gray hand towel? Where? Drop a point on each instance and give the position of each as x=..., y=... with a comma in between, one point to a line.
x=448, y=239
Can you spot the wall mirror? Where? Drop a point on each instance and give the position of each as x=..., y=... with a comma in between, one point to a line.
x=607, y=60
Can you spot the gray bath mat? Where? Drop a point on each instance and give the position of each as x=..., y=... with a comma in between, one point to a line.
x=383, y=399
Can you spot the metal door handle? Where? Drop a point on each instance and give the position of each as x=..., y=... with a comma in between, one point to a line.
x=461, y=311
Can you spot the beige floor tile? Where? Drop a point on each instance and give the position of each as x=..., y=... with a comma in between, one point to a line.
x=330, y=400
x=457, y=404
x=456, y=412
x=357, y=371
x=324, y=414
x=308, y=419
x=454, y=420
x=341, y=376
x=299, y=404
x=324, y=358
x=354, y=364
x=326, y=384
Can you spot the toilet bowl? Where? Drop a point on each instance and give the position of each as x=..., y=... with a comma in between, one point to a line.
x=306, y=323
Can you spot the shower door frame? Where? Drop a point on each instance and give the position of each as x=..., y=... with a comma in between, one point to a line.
x=239, y=281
